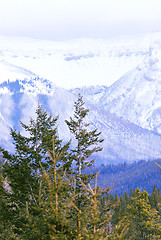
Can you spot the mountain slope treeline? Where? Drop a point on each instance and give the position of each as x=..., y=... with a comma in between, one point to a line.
x=123, y=141
x=124, y=176
x=46, y=192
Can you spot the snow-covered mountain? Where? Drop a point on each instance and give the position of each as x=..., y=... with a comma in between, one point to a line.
x=136, y=96
x=124, y=141
x=30, y=71
x=75, y=63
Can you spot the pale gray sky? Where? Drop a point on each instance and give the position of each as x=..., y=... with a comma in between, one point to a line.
x=68, y=19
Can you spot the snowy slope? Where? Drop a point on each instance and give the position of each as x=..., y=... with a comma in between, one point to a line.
x=31, y=71
x=137, y=95
x=124, y=141
x=11, y=72
x=76, y=63
x=93, y=93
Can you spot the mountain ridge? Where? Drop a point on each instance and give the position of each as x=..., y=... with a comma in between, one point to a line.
x=126, y=138
x=124, y=141
x=136, y=96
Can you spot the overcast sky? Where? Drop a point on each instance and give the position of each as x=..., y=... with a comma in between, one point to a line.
x=68, y=19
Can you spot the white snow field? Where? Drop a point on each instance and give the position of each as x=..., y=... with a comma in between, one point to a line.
x=75, y=63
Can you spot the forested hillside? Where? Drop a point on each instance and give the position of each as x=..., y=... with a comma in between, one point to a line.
x=124, y=177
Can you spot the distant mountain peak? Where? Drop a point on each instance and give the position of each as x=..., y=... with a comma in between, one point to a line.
x=136, y=96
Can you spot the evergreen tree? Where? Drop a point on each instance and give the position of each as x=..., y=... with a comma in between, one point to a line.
x=143, y=221
x=53, y=210
x=116, y=198
x=87, y=140
x=134, y=218
x=22, y=169
x=87, y=143
x=6, y=212
x=57, y=211
x=48, y=200
x=120, y=209
x=97, y=215
x=155, y=198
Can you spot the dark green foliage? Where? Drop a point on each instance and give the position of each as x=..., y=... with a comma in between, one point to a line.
x=6, y=212
x=120, y=209
x=47, y=193
x=135, y=218
x=41, y=132
x=42, y=207
x=144, y=222
x=22, y=169
x=98, y=211
x=88, y=141
x=155, y=198
x=52, y=212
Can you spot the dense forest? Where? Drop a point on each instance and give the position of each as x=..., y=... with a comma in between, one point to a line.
x=52, y=190
x=126, y=176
